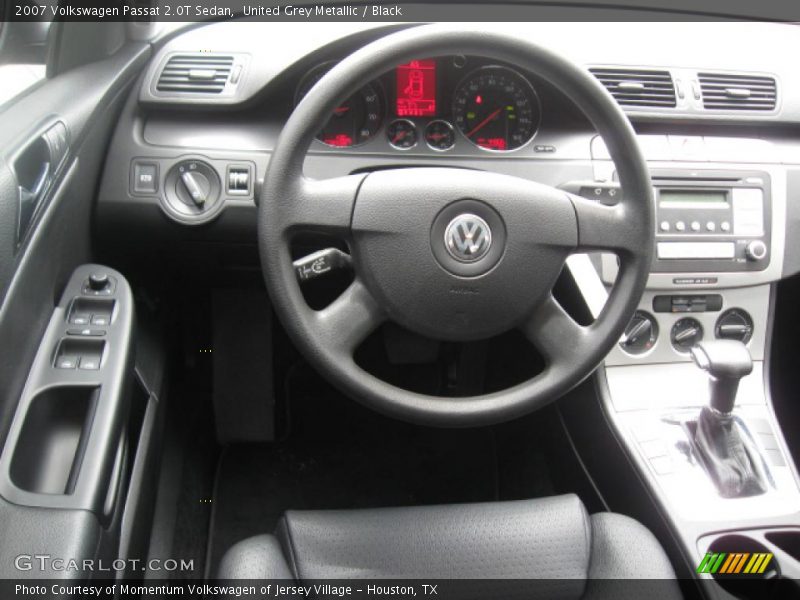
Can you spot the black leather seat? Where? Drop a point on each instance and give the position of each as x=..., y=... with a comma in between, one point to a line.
x=550, y=548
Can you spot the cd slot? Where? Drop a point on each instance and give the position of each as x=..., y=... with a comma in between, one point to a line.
x=692, y=250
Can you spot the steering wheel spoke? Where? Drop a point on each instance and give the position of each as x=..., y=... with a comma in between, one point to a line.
x=349, y=319
x=554, y=333
x=602, y=227
x=322, y=205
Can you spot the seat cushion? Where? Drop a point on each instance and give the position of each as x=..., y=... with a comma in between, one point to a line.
x=543, y=548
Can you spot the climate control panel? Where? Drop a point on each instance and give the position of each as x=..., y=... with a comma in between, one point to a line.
x=667, y=326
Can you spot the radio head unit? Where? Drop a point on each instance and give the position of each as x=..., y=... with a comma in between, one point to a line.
x=711, y=221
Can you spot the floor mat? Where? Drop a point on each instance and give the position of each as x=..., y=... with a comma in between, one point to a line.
x=341, y=455
x=257, y=483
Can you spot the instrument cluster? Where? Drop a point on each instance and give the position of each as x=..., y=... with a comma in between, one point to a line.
x=440, y=103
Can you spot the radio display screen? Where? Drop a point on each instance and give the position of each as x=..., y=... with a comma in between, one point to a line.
x=705, y=198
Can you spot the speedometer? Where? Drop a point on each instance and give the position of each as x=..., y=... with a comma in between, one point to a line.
x=354, y=121
x=496, y=109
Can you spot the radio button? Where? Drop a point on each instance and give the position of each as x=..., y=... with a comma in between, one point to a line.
x=725, y=226
x=711, y=226
x=665, y=225
x=680, y=226
x=748, y=211
x=695, y=226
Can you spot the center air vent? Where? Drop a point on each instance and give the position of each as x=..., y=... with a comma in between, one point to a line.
x=195, y=73
x=724, y=91
x=638, y=87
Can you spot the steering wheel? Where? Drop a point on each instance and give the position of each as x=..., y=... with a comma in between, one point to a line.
x=453, y=254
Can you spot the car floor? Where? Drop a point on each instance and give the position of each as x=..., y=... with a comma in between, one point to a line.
x=331, y=453
x=339, y=455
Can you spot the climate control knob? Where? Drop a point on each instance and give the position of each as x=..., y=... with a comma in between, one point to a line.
x=756, y=250
x=734, y=324
x=685, y=334
x=640, y=334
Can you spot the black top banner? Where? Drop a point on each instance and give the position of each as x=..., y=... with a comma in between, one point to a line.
x=442, y=10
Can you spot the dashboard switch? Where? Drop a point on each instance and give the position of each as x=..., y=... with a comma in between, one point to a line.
x=239, y=180
x=145, y=178
x=196, y=186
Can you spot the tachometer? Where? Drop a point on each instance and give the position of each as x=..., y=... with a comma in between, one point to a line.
x=496, y=109
x=353, y=122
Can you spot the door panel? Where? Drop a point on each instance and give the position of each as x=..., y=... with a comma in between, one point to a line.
x=48, y=183
x=33, y=270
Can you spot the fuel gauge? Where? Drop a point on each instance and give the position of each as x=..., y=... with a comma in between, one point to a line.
x=440, y=135
x=402, y=134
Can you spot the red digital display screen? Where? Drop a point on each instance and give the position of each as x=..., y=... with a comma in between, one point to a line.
x=497, y=143
x=339, y=139
x=416, y=89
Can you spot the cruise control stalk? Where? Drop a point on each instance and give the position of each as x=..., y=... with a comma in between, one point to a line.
x=321, y=262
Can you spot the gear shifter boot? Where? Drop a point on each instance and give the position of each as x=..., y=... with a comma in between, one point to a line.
x=731, y=460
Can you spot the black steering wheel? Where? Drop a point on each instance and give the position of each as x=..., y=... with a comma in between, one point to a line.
x=453, y=254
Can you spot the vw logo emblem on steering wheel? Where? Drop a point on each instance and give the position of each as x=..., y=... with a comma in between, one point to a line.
x=468, y=238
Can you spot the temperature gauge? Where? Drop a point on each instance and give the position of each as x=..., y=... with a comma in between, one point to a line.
x=402, y=134
x=440, y=135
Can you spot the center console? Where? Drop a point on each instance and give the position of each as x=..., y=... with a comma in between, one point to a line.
x=720, y=246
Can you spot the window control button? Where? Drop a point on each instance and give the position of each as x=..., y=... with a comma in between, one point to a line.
x=80, y=319
x=66, y=362
x=100, y=320
x=87, y=332
x=89, y=364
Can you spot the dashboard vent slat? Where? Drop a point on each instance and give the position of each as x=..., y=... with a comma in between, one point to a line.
x=638, y=87
x=195, y=73
x=726, y=91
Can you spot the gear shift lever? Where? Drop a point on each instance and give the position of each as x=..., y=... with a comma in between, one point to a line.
x=726, y=362
x=731, y=460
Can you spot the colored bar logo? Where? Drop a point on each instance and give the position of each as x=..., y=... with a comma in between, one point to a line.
x=734, y=563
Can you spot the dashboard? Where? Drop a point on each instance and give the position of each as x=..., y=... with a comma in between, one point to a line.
x=718, y=123
x=717, y=120
x=438, y=102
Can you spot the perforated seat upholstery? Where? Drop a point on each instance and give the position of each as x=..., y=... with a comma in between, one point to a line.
x=544, y=548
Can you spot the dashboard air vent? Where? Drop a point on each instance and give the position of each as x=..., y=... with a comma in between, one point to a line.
x=724, y=91
x=195, y=73
x=638, y=87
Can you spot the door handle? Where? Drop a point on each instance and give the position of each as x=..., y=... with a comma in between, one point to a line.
x=29, y=199
x=36, y=166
